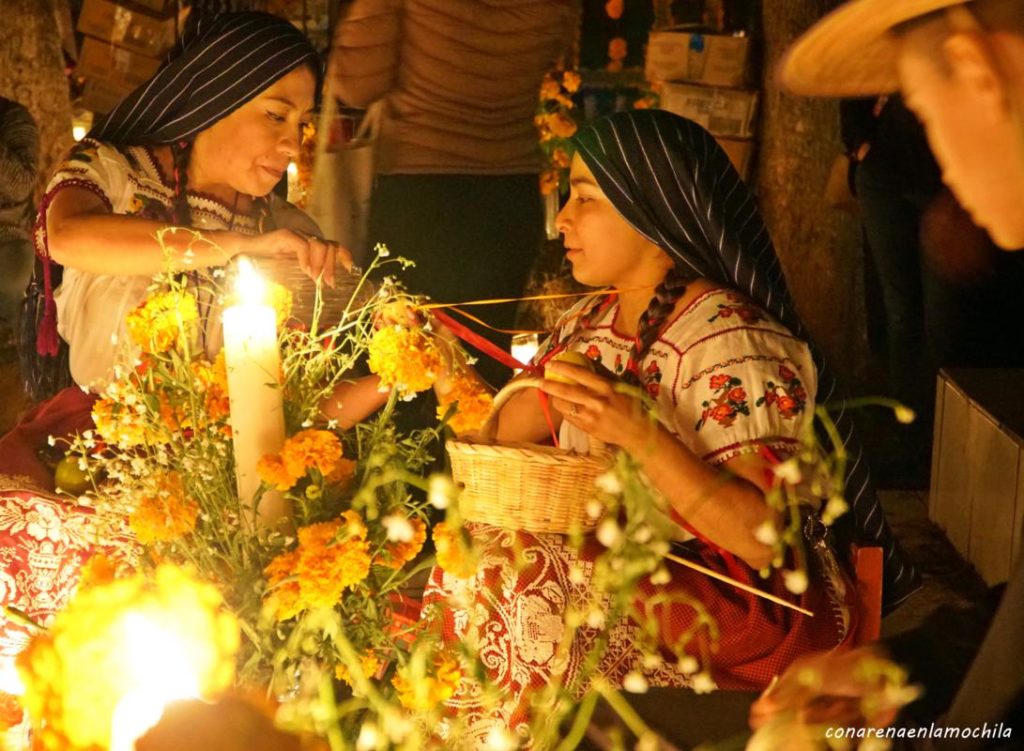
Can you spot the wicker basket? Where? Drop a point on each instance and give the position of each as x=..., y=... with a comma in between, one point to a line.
x=524, y=485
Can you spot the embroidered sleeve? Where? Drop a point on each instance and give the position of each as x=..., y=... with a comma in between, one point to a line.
x=93, y=166
x=744, y=389
x=567, y=324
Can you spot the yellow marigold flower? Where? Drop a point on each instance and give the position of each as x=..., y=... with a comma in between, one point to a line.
x=308, y=449
x=405, y=359
x=165, y=515
x=273, y=471
x=571, y=81
x=116, y=639
x=562, y=125
x=280, y=298
x=549, y=88
x=451, y=551
x=101, y=569
x=156, y=324
x=427, y=692
x=397, y=554
x=119, y=423
x=474, y=404
x=369, y=663
x=330, y=557
x=617, y=49
x=212, y=383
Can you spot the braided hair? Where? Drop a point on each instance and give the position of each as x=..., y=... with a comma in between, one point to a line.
x=181, y=156
x=666, y=295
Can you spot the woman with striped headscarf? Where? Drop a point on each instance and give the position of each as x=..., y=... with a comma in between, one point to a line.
x=202, y=144
x=696, y=314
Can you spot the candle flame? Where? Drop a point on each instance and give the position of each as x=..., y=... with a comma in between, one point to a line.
x=249, y=284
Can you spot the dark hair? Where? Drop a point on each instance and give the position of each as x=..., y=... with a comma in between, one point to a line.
x=666, y=295
x=181, y=156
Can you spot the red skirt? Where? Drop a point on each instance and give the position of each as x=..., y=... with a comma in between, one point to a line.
x=513, y=610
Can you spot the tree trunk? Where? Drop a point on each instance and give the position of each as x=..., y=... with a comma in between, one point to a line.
x=32, y=73
x=819, y=246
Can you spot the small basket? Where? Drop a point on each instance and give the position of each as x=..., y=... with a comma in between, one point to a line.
x=524, y=485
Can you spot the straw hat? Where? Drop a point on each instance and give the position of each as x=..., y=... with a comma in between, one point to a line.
x=853, y=51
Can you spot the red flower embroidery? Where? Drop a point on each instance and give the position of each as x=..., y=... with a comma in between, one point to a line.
x=737, y=395
x=722, y=412
x=593, y=353
x=786, y=374
x=788, y=397
x=719, y=381
x=727, y=403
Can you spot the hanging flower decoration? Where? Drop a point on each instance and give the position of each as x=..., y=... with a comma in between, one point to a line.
x=556, y=124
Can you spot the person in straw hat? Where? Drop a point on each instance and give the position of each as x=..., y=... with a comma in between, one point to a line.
x=960, y=66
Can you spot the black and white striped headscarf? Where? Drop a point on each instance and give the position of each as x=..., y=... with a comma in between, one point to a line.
x=220, y=64
x=673, y=183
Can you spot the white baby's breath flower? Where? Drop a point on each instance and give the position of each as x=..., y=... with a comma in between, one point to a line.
x=904, y=415
x=83, y=465
x=688, y=665
x=596, y=618
x=369, y=738
x=766, y=534
x=51, y=441
x=652, y=661
x=500, y=739
x=113, y=339
x=307, y=423
x=609, y=482
x=789, y=471
x=594, y=508
x=608, y=533
x=661, y=576
x=332, y=424
x=703, y=683
x=795, y=581
x=576, y=574
x=635, y=683
x=382, y=250
x=642, y=534
x=219, y=274
x=398, y=528
x=440, y=491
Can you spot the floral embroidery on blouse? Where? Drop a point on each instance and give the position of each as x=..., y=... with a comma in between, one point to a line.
x=736, y=305
x=593, y=353
x=729, y=401
x=788, y=397
x=652, y=379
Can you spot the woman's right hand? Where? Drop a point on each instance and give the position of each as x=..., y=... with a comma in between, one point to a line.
x=316, y=257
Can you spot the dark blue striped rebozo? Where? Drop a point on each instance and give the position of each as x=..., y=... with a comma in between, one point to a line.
x=221, y=63
x=672, y=182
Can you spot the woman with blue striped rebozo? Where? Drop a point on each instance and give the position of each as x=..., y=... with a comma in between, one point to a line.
x=696, y=313
x=202, y=144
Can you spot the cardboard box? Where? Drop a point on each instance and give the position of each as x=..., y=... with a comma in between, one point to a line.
x=128, y=27
x=100, y=97
x=709, y=59
x=740, y=152
x=723, y=112
x=118, y=68
x=977, y=483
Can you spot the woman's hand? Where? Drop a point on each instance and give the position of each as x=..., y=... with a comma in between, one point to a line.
x=593, y=404
x=316, y=256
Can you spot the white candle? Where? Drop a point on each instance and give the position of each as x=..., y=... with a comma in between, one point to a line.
x=253, y=363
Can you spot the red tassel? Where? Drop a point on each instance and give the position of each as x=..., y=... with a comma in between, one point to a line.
x=46, y=335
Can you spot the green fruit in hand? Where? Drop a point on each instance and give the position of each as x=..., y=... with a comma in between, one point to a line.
x=572, y=358
x=71, y=478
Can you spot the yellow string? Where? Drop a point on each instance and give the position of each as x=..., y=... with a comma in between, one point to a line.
x=529, y=298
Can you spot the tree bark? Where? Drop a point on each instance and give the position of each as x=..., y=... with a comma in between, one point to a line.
x=819, y=247
x=32, y=73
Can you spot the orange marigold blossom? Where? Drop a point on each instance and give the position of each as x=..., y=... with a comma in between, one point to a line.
x=474, y=404
x=280, y=298
x=166, y=514
x=562, y=125
x=212, y=383
x=342, y=474
x=548, y=182
x=571, y=81
x=426, y=693
x=397, y=554
x=369, y=664
x=309, y=449
x=273, y=471
x=330, y=557
x=452, y=554
x=617, y=49
x=404, y=358
x=156, y=324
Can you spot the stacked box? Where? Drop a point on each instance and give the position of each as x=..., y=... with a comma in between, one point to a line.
x=705, y=77
x=124, y=45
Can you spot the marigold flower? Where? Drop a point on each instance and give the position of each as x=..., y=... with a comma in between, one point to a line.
x=451, y=552
x=549, y=88
x=473, y=404
x=369, y=664
x=280, y=298
x=101, y=569
x=425, y=693
x=560, y=158
x=614, y=9
x=342, y=474
x=118, y=423
x=617, y=49
x=156, y=324
x=212, y=383
x=571, y=81
x=165, y=515
x=405, y=359
x=330, y=557
x=273, y=471
x=397, y=554
x=548, y=182
x=562, y=125
x=309, y=449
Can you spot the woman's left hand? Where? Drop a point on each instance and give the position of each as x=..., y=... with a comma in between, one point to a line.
x=593, y=404
x=321, y=256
